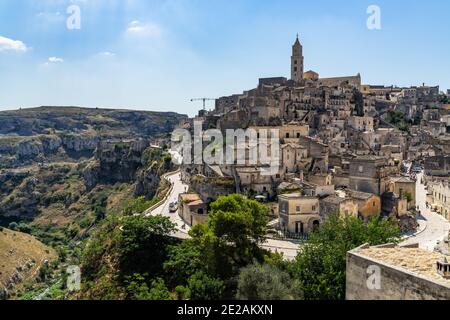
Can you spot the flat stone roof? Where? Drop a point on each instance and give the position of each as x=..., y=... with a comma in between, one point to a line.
x=334, y=199
x=414, y=260
x=189, y=197
x=361, y=195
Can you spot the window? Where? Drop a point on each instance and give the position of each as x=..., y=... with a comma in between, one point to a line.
x=313, y=208
x=361, y=169
x=374, y=204
x=298, y=208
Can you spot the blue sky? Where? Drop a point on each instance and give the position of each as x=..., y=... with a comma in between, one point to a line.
x=158, y=54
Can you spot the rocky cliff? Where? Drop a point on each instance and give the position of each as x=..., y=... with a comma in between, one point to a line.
x=37, y=135
x=64, y=170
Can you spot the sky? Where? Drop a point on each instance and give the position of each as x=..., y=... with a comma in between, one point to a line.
x=158, y=54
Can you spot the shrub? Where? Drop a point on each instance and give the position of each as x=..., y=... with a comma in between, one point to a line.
x=320, y=266
x=266, y=282
x=13, y=226
x=203, y=287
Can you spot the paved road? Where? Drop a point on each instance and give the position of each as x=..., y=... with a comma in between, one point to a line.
x=435, y=227
x=163, y=210
x=287, y=248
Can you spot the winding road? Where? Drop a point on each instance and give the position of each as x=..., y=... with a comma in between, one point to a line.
x=178, y=187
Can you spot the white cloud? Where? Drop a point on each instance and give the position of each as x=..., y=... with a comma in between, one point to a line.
x=7, y=44
x=144, y=29
x=106, y=54
x=52, y=60
x=55, y=60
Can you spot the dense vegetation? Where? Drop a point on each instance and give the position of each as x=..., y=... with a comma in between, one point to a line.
x=320, y=267
x=144, y=262
x=134, y=257
x=64, y=213
x=398, y=119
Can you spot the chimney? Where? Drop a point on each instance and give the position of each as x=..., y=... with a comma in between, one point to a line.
x=443, y=268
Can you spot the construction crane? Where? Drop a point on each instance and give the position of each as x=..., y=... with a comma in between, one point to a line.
x=204, y=101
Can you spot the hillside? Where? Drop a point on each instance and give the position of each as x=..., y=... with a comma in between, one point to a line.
x=71, y=133
x=63, y=170
x=21, y=257
x=45, y=120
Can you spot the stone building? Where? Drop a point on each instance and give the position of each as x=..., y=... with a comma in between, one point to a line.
x=361, y=123
x=311, y=75
x=439, y=190
x=342, y=206
x=404, y=187
x=369, y=204
x=299, y=214
x=370, y=174
x=389, y=272
x=297, y=61
x=331, y=133
x=353, y=81
x=438, y=166
x=192, y=209
x=393, y=204
x=226, y=104
x=254, y=181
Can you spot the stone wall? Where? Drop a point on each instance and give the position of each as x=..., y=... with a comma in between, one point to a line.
x=367, y=185
x=396, y=284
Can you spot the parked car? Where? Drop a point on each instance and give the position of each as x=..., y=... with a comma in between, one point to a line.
x=173, y=207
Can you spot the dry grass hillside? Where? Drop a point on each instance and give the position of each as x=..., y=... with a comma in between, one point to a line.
x=21, y=257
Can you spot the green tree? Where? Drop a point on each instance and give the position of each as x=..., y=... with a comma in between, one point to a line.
x=201, y=286
x=143, y=244
x=320, y=266
x=266, y=282
x=408, y=196
x=138, y=288
x=230, y=238
x=183, y=261
x=139, y=205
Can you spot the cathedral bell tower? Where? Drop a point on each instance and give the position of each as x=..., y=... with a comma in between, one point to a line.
x=297, y=60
